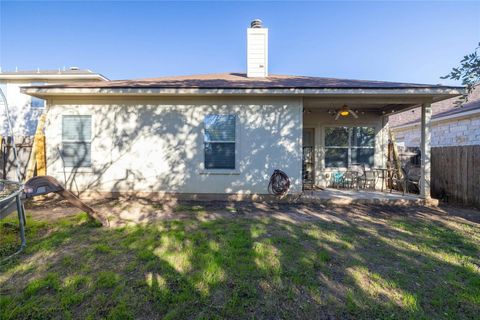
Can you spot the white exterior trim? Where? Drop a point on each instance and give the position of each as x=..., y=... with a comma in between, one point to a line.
x=40, y=76
x=41, y=92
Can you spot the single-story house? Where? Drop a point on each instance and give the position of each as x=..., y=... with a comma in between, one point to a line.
x=451, y=124
x=224, y=134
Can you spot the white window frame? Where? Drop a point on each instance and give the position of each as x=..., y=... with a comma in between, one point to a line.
x=234, y=171
x=73, y=168
x=349, y=147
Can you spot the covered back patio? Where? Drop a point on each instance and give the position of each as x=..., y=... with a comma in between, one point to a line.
x=346, y=146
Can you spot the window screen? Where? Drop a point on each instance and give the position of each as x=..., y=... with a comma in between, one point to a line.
x=219, y=142
x=76, y=140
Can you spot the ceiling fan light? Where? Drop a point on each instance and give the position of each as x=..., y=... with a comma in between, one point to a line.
x=344, y=111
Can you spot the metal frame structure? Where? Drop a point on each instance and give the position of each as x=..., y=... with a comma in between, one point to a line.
x=13, y=202
x=13, y=198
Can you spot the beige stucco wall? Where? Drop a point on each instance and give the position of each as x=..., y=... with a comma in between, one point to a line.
x=156, y=145
x=319, y=119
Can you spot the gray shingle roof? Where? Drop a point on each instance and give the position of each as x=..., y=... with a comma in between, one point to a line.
x=241, y=81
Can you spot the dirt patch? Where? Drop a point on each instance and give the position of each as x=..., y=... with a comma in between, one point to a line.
x=126, y=211
x=50, y=209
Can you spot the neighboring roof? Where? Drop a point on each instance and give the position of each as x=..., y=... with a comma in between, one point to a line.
x=469, y=106
x=446, y=108
x=241, y=81
x=59, y=71
x=50, y=74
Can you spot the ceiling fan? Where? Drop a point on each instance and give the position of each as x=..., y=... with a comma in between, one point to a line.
x=345, y=111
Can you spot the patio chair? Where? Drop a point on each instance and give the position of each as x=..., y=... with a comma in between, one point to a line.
x=358, y=171
x=369, y=177
x=397, y=180
x=350, y=179
x=412, y=177
x=337, y=179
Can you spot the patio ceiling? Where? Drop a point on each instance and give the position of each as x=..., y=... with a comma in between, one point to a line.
x=380, y=105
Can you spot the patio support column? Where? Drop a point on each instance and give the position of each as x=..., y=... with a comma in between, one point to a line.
x=425, y=148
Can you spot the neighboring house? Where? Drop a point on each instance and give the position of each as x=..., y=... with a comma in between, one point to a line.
x=25, y=109
x=452, y=125
x=222, y=134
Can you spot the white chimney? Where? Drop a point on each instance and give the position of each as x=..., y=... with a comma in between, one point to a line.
x=257, y=50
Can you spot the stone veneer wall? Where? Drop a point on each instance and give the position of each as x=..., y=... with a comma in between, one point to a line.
x=452, y=132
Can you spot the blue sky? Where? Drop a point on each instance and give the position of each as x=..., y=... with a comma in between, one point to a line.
x=393, y=41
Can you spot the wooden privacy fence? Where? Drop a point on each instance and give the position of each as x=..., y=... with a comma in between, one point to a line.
x=456, y=174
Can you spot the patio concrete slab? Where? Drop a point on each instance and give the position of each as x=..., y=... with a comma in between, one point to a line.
x=348, y=196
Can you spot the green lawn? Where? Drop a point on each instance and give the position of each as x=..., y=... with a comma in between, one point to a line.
x=305, y=263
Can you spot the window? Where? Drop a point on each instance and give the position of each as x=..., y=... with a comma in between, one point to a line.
x=362, y=145
x=76, y=140
x=336, y=147
x=347, y=145
x=37, y=102
x=219, y=141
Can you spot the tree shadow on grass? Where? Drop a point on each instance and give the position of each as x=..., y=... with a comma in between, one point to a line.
x=249, y=266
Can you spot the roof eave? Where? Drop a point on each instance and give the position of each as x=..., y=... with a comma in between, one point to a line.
x=436, y=94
